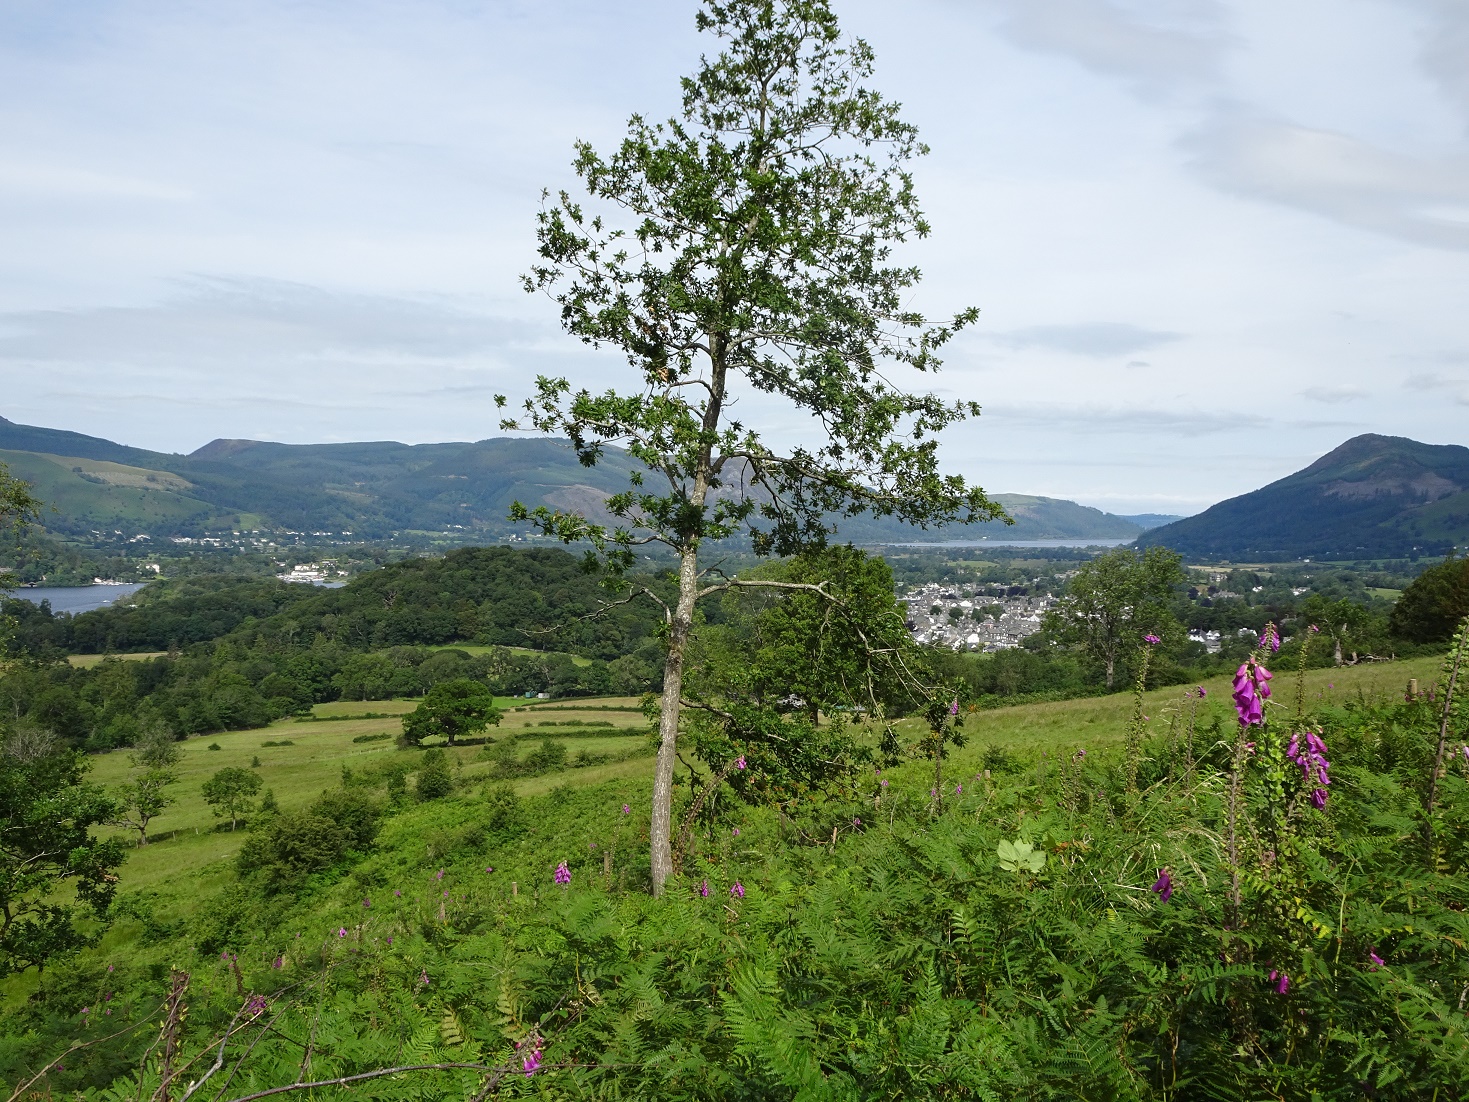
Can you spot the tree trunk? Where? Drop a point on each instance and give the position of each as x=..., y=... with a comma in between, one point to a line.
x=660, y=831
x=1111, y=670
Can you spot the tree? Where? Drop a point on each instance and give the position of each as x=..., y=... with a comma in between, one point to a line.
x=1433, y=604
x=17, y=510
x=747, y=247
x=451, y=709
x=142, y=799
x=46, y=846
x=231, y=792
x=1113, y=601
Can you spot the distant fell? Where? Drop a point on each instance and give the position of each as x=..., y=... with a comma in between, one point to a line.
x=375, y=488
x=1374, y=496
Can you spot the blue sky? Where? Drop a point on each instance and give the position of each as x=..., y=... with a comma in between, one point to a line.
x=1209, y=240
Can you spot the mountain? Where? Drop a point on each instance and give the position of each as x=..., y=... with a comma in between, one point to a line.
x=1374, y=496
x=376, y=488
x=1149, y=520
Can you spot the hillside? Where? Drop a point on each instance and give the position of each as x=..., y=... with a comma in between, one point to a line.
x=1373, y=496
x=373, y=489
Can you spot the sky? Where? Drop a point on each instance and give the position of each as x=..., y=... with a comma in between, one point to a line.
x=1209, y=239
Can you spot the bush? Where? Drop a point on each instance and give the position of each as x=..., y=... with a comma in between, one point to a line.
x=434, y=780
x=1432, y=606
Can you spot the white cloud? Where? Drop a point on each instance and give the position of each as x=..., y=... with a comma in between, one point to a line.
x=1333, y=395
x=1100, y=339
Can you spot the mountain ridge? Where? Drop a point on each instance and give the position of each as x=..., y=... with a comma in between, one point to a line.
x=376, y=488
x=1371, y=496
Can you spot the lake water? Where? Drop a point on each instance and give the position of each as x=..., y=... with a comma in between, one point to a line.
x=1092, y=542
x=76, y=598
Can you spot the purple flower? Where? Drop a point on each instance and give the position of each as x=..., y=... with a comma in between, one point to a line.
x=563, y=874
x=256, y=1006
x=1151, y=640
x=1464, y=749
x=1251, y=690
x=109, y=967
x=1202, y=692
x=704, y=888
x=1313, y=765
x=954, y=707
x=390, y=939
x=279, y=963
x=85, y=1009
x=1163, y=886
x=736, y=832
x=884, y=782
x=1314, y=630
x=958, y=790
x=856, y=822
x=740, y=762
x=423, y=977
x=489, y=868
x=1377, y=962
x=1281, y=981
x=737, y=890
x=439, y=875
x=366, y=902
x=342, y=932
x=531, y=1057
x=625, y=809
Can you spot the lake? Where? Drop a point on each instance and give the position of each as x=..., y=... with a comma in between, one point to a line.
x=76, y=598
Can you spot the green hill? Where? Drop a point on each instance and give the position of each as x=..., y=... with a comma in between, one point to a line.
x=1373, y=496
x=373, y=489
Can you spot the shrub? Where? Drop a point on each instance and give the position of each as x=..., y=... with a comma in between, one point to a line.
x=434, y=779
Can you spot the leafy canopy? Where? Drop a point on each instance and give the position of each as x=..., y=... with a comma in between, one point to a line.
x=450, y=710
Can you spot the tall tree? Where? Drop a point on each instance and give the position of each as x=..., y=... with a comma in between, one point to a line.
x=452, y=709
x=746, y=249
x=1114, y=600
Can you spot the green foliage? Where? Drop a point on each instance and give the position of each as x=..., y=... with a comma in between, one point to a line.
x=289, y=847
x=434, y=780
x=54, y=874
x=1113, y=601
x=1430, y=608
x=451, y=710
x=230, y=792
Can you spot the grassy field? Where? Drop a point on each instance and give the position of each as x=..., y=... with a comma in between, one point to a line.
x=188, y=839
x=87, y=661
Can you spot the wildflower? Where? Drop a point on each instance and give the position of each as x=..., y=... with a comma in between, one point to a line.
x=489, y=868
x=856, y=821
x=1151, y=640
x=366, y=902
x=1377, y=962
x=1313, y=765
x=740, y=762
x=109, y=967
x=736, y=832
x=1281, y=981
x=563, y=874
x=108, y=1012
x=625, y=809
x=85, y=1009
x=954, y=707
x=1163, y=886
x=1251, y=690
x=1314, y=630
x=958, y=790
x=278, y=963
x=1465, y=750
x=439, y=875
x=390, y=940
x=884, y=782
x=737, y=890
x=531, y=1061
x=423, y=977
x=342, y=932
x=704, y=888
x=1202, y=692
x=256, y=1006
x=398, y=892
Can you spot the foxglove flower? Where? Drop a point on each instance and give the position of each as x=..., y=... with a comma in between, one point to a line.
x=625, y=809
x=704, y=888
x=954, y=707
x=1313, y=765
x=1251, y=690
x=342, y=932
x=1151, y=640
x=439, y=875
x=530, y=1059
x=1202, y=692
x=958, y=790
x=736, y=832
x=740, y=762
x=1163, y=886
x=423, y=977
x=856, y=821
x=737, y=890
x=1377, y=962
x=1281, y=981
x=563, y=874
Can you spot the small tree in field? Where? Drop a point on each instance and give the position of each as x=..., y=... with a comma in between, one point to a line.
x=143, y=798
x=231, y=792
x=452, y=709
x=746, y=249
x=1115, y=600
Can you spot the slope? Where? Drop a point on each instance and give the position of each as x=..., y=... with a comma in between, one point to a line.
x=1372, y=496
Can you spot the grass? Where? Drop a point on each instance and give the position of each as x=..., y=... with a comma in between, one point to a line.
x=87, y=661
x=481, y=648
x=188, y=840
